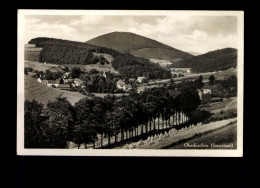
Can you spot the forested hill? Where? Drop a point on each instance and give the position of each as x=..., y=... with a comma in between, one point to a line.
x=133, y=67
x=212, y=61
x=59, y=51
x=137, y=45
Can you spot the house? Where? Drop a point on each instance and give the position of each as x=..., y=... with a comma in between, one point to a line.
x=140, y=89
x=206, y=91
x=128, y=87
x=66, y=75
x=64, y=87
x=120, y=84
x=140, y=79
x=78, y=82
x=104, y=74
x=39, y=80
x=53, y=83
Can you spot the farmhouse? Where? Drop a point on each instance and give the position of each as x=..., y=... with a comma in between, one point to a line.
x=53, y=83
x=140, y=79
x=78, y=82
x=120, y=84
x=64, y=87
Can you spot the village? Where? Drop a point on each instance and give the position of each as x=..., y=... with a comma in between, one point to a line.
x=63, y=80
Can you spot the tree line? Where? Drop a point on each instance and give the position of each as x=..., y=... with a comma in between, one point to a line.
x=58, y=122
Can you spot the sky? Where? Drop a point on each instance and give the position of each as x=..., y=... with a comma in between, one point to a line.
x=187, y=33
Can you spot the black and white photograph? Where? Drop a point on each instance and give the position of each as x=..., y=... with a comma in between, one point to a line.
x=130, y=83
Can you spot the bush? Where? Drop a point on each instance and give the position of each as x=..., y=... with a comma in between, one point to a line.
x=27, y=69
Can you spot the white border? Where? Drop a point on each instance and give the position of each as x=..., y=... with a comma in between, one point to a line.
x=123, y=152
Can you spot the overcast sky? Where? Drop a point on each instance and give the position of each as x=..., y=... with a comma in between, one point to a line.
x=188, y=33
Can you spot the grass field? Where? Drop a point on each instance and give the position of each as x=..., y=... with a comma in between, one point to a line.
x=44, y=94
x=104, y=68
x=42, y=67
x=224, y=135
x=226, y=104
x=184, y=135
x=39, y=66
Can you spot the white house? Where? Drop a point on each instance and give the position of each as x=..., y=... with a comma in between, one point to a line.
x=120, y=84
x=206, y=91
x=140, y=79
x=39, y=80
x=78, y=82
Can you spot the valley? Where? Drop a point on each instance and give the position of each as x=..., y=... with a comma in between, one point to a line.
x=122, y=89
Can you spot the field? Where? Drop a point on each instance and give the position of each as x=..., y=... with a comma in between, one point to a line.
x=32, y=55
x=104, y=68
x=163, y=63
x=188, y=134
x=224, y=135
x=42, y=67
x=221, y=75
x=43, y=94
x=108, y=57
x=39, y=66
x=225, y=105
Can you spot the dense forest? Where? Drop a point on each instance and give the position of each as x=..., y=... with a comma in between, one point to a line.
x=59, y=51
x=134, y=67
x=212, y=61
x=95, y=81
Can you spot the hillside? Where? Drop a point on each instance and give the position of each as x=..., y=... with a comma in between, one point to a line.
x=41, y=93
x=133, y=67
x=57, y=51
x=217, y=60
x=137, y=45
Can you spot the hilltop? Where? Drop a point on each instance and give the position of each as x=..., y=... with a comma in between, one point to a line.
x=216, y=60
x=137, y=45
x=42, y=93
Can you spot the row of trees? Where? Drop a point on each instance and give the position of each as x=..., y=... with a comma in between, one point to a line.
x=59, y=121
